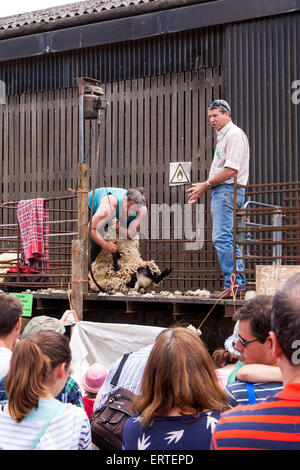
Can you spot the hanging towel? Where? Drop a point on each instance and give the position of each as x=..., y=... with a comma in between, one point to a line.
x=33, y=218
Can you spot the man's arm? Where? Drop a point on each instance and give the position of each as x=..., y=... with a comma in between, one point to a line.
x=198, y=189
x=259, y=373
x=101, y=217
x=134, y=226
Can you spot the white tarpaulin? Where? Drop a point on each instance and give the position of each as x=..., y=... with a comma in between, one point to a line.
x=105, y=342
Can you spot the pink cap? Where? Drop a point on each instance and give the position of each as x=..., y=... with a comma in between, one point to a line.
x=94, y=377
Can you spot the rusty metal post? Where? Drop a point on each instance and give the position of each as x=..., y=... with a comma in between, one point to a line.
x=234, y=224
x=18, y=253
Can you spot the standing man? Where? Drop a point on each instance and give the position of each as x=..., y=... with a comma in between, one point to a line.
x=231, y=158
x=127, y=207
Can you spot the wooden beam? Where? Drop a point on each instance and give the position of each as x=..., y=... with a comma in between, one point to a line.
x=78, y=284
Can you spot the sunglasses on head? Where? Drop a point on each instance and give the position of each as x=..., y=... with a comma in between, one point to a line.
x=217, y=104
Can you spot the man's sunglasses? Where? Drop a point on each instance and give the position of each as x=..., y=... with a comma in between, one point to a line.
x=217, y=104
x=244, y=342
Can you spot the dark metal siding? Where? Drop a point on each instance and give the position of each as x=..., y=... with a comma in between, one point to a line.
x=261, y=63
x=134, y=59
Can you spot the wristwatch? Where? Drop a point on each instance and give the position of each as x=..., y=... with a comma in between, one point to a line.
x=208, y=184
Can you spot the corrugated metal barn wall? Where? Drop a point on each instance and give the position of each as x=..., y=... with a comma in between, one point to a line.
x=262, y=63
x=114, y=62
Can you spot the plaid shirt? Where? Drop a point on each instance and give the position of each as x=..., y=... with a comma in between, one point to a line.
x=70, y=393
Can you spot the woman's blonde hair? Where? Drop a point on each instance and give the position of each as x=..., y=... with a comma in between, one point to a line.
x=31, y=367
x=179, y=373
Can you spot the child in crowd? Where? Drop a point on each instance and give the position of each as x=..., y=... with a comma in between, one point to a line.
x=225, y=364
x=33, y=418
x=227, y=360
x=92, y=381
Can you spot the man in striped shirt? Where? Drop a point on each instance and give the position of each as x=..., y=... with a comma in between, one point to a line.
x=130, y=377
x=275, y=423
x=260, y=376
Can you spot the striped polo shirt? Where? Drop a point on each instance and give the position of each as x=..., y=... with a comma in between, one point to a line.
x=271, y=425
x=238, y=394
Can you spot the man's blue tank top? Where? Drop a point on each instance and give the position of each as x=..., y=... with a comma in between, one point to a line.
x=118, y=193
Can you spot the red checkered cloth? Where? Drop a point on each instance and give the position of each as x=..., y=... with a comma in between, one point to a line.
x=33, y=217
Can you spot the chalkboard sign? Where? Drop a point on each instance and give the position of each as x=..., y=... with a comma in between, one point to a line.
x=269, y=277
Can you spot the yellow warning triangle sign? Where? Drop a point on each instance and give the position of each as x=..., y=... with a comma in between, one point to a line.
x=180, y=175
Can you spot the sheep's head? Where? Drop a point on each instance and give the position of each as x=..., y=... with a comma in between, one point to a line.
x=144, y=279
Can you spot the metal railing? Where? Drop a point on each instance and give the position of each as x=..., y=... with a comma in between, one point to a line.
x=267, y=227
x=56, y=271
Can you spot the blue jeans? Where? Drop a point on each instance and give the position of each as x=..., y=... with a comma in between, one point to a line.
x=222, y=233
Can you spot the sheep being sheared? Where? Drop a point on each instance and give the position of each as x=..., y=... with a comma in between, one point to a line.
x=125, y=271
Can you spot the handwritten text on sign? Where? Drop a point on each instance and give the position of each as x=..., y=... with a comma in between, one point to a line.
x=26, y=301
x=270, y=278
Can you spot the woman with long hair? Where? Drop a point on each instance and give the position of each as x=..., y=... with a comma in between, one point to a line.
x=180, y=399
x=33, y=418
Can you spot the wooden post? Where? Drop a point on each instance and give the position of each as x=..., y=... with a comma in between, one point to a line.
x=78, y=253
x=83, y=218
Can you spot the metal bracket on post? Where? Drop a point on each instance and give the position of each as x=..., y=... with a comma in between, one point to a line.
x=92, y=102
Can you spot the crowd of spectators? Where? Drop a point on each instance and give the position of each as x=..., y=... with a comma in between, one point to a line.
x=245, y=395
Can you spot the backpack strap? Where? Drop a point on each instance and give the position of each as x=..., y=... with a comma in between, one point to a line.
x=251, y=393
x=117, y=374
x=42, y=431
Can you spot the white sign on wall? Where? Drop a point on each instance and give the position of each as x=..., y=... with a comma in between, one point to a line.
x=180, y=173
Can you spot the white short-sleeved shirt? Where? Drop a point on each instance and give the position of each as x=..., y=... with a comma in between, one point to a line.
x=232, y=151
x=5, y=355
